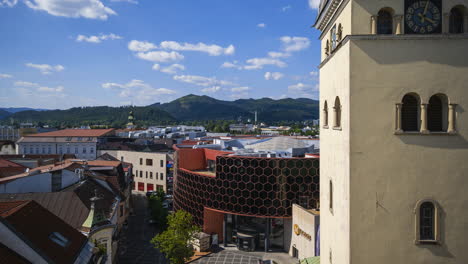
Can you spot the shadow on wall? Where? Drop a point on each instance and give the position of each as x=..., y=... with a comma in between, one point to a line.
x=390, y=49
x=439, y=250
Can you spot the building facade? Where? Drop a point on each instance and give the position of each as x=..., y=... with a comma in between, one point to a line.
x=152, y=170
x=246, y=201
x=393, y=89
x=80, y=142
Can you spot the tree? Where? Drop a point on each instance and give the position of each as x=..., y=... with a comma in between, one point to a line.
x=175, y=241
x=158, y=212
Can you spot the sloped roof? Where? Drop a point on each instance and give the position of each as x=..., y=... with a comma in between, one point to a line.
x=66, y=205
x=278, y=143
x=43, y=169
x=36, y=224
x=74, y=133
x=10, y=256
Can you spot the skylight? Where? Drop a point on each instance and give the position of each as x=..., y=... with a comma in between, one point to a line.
x=59, y=239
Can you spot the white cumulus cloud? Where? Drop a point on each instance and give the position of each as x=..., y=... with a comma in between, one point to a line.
x=314, y=4
x=291, y=44
x=259, y=63
x=46, y=68
x=212, y=50
x=141, y=46
x=213, y=89
x=261, y=25
x=201, y=80
x=240, y=89
x=138, y=90
x=160, y=56
x=172, y=69
x=5, y=76
x=97, y=39
x=92, y=9
x=273, y=76
x=25, y=84
x=8, y=3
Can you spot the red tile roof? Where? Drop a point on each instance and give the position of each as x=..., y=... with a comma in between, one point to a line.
x=74, y=133
x=36, y=224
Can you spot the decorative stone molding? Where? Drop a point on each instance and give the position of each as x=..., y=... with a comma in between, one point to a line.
x=424, y=119
x=398, y=118
x=446, y=23
x=339, y=34
x=398, y=19
x=437, y=210
x=451, y=119
x=374, y=25
x=465, y=23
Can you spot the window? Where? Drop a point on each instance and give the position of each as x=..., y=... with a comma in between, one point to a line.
x=384, y=22
x=91, y=150
x=37, y=150
x=141, y=174
x=59, y=239
x=79, y=139
x=437, y=113
x=76, y=150
x=141, y=186
x=337, y=112
x=456, y=20
x=90, y=139
x=84, y=150
x=151, y=175
x=141, y=161
x=161, y=176
x=410, y=113
x=426, y=221
x=149, y=187
x=49, y=150
x=43, y=150
x=160, y=187
x=146, y=173
x=331, y=196
x=295, y=252
x=333, y=38
x=325, y=115
x=136, y=173
x=31, y=150
x=68, y=139
x=60, y=150
x=68, y=150
x=162, y=163
x=149, y=162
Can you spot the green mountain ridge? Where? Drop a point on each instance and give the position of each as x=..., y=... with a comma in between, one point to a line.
x=187, y=108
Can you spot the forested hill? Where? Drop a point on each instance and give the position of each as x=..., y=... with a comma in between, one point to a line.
x=187, y=108
x=194, y=107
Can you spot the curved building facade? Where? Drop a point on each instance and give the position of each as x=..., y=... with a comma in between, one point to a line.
x=213, y=184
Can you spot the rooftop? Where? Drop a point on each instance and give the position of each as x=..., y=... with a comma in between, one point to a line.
x=74, y=133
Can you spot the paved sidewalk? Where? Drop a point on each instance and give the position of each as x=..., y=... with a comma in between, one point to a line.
x=231, y=255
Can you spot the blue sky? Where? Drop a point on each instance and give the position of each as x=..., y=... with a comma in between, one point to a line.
x=67, y=53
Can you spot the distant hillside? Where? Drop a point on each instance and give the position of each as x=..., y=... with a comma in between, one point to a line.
x=194, y=107
x=19, y=109
x=105, y=115
x=4, y=114
x=187, y=108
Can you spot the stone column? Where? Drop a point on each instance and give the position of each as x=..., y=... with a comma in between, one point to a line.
x=424, y=119
x=451, y=119
x=325, y=117
x=373, y=25
x=335, y=117
x=446, y=23
x=398, y=118
x=465, y=24
x=398, y=26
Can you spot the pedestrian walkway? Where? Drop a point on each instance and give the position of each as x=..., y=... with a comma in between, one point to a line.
x=232, y=255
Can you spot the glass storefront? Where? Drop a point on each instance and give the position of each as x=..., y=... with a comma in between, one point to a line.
x=254, y=233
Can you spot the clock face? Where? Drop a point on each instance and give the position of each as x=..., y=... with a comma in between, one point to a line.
x=423, y=16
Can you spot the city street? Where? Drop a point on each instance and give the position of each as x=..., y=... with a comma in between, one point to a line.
x=134, y=244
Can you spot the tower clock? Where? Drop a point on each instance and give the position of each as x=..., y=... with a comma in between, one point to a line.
x=423, y=16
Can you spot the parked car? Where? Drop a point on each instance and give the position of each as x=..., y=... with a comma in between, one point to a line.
x=148, y=194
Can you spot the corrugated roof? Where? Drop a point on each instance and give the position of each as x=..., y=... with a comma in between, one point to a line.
x=74, y=133
x=66, y=205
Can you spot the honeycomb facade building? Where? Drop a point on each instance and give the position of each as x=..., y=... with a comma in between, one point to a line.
x=229, y=194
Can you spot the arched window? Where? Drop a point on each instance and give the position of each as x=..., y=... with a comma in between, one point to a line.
x=437, y=113
x=426, y=212
x=456, y=20
x=337, y=112
x=325, y=114
x=427, y=221
x=410, y=113
x=385, y=22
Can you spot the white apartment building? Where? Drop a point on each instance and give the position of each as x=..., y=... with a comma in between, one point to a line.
x=80, y=142
x=149, y=168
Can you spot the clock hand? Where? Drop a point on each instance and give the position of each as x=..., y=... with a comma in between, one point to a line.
x=425, y=8
x=422, y=17
x=430, y=20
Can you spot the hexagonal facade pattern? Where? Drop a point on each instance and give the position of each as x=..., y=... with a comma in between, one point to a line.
x=264, y=187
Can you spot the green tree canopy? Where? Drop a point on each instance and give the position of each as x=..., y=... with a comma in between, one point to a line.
x=175, y=241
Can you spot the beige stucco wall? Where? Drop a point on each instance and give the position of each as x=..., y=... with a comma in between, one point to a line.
x=308, y=222
x=104, y=236
x=134, y=158
x=395, y=171
x=334, y=160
